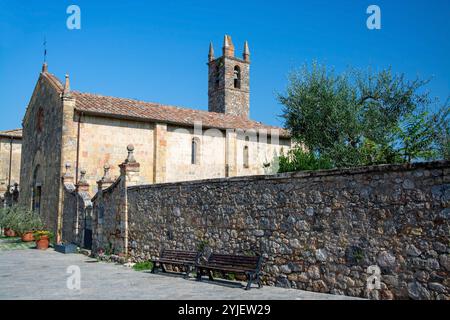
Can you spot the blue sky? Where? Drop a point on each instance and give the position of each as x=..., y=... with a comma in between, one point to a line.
x=157, y=50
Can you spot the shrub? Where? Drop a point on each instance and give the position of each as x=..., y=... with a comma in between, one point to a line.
x=299, y=160
x=141, y=266
x=26, y=220
x=9, y=218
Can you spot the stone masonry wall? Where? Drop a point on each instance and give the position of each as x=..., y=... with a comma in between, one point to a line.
x=110, y=208
x=76, y=210
x=108, y=232
x=103, y=141
x=318, y=231
x=41, y=151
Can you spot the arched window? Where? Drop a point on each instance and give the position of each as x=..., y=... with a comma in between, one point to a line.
x=217, y=75
x=237, y=77
x=36, y=191
x=245, y=155
x=194, y=151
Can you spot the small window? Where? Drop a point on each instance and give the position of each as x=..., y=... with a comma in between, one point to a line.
x=40, y=120
x=245, y=155
x=237, y=77
x=217, y=75
x=194, y=151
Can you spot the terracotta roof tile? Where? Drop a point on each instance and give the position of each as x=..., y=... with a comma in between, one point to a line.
x=140, y=110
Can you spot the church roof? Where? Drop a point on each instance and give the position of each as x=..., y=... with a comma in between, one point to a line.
x=141, y=110
x=14, y=133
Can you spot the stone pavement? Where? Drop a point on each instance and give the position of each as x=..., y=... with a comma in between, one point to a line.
x=34, y=274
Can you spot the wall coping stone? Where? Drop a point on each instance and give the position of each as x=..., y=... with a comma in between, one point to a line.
x=384, y=168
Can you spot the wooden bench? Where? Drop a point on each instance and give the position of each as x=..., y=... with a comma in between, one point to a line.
x=186, y=259
x=224, y=263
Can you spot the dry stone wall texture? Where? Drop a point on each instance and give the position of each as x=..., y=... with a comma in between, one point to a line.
x=318, y=231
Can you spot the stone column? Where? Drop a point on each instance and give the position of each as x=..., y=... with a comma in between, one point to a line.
x=129, y=176
x=129, y=169
x=81, y=186
x=106, y=181
x=159, y=153
x=68, y=146
x=68, y=177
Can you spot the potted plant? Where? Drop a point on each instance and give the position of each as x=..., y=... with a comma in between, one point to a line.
x=26, y=223
x=8, y=219
x=42, y=239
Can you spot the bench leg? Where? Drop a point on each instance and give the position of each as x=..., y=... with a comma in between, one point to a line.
x=188, y=271
x=250, y=278
x=154, y=268
x=199, y=274
x=211, y=277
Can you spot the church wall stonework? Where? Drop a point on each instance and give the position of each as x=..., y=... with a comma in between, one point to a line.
x=318, y=231
x=103, y=141
x=210, y=159
x=41, y=152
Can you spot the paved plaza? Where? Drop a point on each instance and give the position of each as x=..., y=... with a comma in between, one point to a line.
x=32, y=274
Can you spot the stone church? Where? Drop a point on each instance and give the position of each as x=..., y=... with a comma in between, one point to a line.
x=70, y=130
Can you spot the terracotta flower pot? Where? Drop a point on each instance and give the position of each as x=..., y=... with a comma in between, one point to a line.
x=9, y=232
x=42, y=243
x=27, y=237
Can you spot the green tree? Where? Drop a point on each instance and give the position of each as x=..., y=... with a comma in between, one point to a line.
x=358, y=117
x=416, y=137
x=441, y=123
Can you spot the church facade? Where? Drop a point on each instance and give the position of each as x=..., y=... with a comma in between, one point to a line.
x=68, y=130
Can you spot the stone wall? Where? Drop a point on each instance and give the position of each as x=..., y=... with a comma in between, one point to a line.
x=77, y=208
x=318, y=231
x=110, y=209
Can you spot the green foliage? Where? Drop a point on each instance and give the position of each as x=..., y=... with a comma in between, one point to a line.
x=202, y=245
x=7, y=218
x=416, y=137
x=27, y=221
x=41, y=233
x=230, y=276
x=141, y=266
x=298, y=160
x=441, y=124
x=20, y=219
x=358, y=255
x=362, y=118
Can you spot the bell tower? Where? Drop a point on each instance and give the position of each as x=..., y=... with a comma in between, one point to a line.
x=229, y=80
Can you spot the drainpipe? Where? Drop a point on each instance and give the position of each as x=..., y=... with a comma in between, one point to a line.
x=78, y=147
x=10, y=161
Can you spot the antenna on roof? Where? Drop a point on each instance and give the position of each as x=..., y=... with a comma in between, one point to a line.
x=45, y=49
